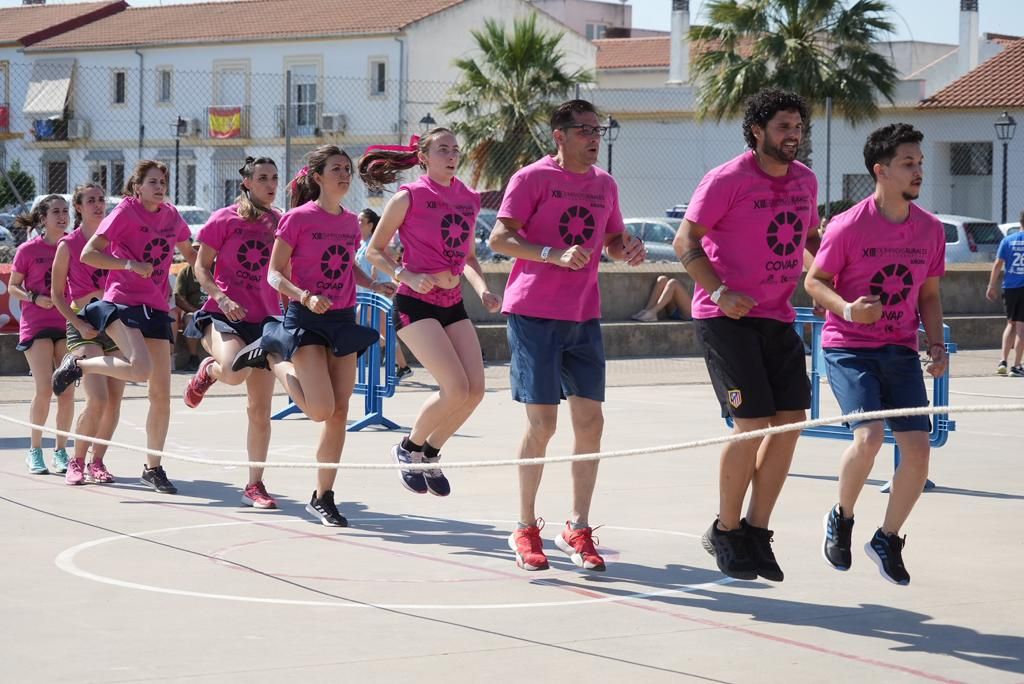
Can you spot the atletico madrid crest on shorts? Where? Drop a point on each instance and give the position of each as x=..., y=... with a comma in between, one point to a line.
x=735, y=398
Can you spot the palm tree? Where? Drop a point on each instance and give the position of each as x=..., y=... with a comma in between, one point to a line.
x=503, y=99
x=816, y=48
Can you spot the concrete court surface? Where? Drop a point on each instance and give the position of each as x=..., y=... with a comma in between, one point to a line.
x=119, y=584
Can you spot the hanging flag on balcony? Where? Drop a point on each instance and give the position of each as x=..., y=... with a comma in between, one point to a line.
x=225, y=122
x=5, y=118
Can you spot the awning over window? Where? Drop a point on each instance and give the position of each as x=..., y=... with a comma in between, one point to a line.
x=104, y=155
x=48, y=90
x=168, y=153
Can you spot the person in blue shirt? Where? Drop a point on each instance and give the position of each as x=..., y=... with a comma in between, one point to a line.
x=368, y=219
x=1010, y=265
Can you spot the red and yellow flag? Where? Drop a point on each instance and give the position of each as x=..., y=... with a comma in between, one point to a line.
x=225, y=122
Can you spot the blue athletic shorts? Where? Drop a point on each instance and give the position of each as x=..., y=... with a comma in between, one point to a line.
x=888, y=377
x=552, y=360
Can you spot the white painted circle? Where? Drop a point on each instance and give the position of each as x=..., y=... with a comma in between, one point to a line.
x=65, y=560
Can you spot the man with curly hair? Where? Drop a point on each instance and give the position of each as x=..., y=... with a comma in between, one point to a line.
x=742, y=241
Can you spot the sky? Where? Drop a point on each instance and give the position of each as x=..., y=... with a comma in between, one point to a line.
x=924, y=20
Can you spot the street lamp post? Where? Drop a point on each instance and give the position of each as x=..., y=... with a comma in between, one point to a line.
x=1005, y=128
x=427, y=123
x=611, y=134
x=179, y=130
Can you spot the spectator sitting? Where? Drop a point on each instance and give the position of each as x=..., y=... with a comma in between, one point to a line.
x=668, y=294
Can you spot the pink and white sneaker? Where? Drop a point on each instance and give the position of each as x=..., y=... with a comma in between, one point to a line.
x=76, y=472
x=97, y=473
x=255, y=495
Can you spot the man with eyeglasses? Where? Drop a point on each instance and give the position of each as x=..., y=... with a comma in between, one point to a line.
x=556, y=217
x=742, y=241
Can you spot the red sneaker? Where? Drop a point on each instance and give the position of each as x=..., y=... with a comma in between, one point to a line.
x=255, y=495
x=529, y=548
x=200, y=382
x=580, y=546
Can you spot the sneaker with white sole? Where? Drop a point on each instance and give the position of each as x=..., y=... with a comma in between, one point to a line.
x=325, y=511
x=255, y=495
x=35, y=462
x=581, y=547
x=76, y=472
x=60, y=461
x=413, y=480
x=529, y=547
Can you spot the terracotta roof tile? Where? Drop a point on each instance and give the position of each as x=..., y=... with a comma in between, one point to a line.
x=246, y=20
x=28, y=24
x=632, y=53
x=997, y=82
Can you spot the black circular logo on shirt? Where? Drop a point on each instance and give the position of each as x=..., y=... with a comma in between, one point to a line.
x=48, y=280
x=335, y=261
x=892, y=284
x=156, y=250
x=784, y=233
x=254, y=255
x=97, y=277
x=576, y=225
x=454, y=230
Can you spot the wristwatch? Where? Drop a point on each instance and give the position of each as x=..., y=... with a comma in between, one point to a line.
x=545, y=253
x=717, y=294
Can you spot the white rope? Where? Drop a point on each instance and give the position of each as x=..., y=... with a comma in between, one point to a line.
x=644, y=451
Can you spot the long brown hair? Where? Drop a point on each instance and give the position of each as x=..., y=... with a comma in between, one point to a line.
x=247, y=208
x=139, y=174
x=79, y=195
x=381, y=167
x=303, y=188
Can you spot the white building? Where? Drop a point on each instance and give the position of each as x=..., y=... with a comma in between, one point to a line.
x=366, y=72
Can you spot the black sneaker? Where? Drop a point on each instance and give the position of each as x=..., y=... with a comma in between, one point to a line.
x=887, y=552
x=67, y=374
x=413, y=480
x=157, y=479
x=324, y=509
x=437, y=483
x=838, y=531
x=731, y=551
x=252, y=355
x=760, y=540
x=403, y=372
x=1017, y=371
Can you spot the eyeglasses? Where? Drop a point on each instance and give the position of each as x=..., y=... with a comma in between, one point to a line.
x=588, y=131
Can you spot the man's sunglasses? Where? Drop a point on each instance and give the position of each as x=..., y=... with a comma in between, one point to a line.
x=588, y=131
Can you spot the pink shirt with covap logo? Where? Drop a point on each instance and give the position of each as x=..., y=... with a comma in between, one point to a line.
x=34, y=260
x=82, y=278
x=324, y=249
x=438, y=229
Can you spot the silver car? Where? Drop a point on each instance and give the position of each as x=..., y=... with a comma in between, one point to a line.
x=970, y=240
x=657, y=233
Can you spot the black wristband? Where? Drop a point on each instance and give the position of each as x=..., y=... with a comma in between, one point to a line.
x=33, y=296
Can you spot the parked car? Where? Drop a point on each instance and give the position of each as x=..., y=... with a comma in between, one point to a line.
x=678, y=211
x=485, y=222
x=970, y=240
x=6, y=239
x=7, y=220
x=1009, y=228
x=657, y=233
x=195, y=217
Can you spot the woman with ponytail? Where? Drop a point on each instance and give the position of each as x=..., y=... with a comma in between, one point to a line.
x=435, y=218
x=312, y=352
x=238, y=238
x=41, y=333
x=75, y=286
x=135, y=245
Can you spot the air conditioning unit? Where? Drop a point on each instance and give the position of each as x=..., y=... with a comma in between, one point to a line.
x=193, y=128
x=333, y=123
x=78, y=129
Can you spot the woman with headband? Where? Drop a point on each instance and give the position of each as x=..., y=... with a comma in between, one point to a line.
x=434, y=217
x=313, y=351
x=240, y=300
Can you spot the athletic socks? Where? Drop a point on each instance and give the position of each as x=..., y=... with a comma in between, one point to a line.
x=410, y=445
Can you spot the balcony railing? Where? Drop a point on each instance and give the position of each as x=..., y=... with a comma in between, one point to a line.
x=224, y=122
x=303, y=119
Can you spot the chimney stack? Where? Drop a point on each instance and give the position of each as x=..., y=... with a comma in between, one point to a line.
x=967, y=56
x=679, y=48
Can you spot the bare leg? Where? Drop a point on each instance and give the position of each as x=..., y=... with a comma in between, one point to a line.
x=223, y=348
x=136, y=366
x=306, y=380
x=159, y=398
x=908, y=480
x=774, y=457
x=588, y=427
x=66, y=401
x=1008, y=337
x=96, y=400
x=736, y=471
x=259, y=387
x=40, y=362
x=857, y=461
x=342, y=379
x=1018, y=348
x=542, y=420
x=437, y=353
x=109, y=419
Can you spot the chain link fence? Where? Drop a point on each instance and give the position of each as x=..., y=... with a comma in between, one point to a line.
x=63, y=123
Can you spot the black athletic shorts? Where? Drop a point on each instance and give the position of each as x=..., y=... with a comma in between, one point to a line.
x=756, y=365
x=411, y=309
x=1014, y=301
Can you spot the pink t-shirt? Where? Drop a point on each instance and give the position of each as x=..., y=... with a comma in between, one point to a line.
x=559, y=209
x=868, y=255
x=140, y=235
x=323, y=251
x=439, y=226
x=243, y=257
x=34, y=260
x=82, y=278
x=757, y=228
